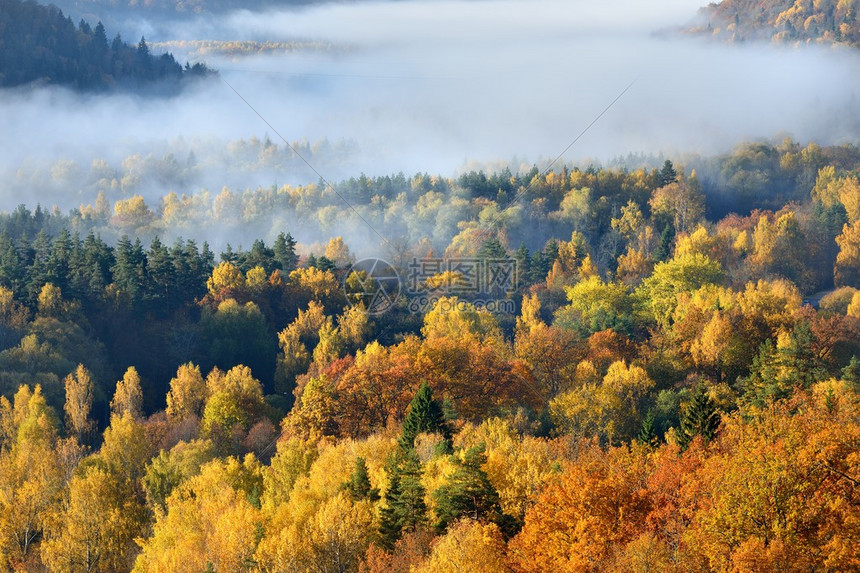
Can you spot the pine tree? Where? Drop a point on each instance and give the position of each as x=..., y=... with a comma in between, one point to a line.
x=59, y=259
x=100, y=42
x=129, y=270
x=389, y=524
x=230, y=256
x=12, y=270
x=468, y=493
x=39, y=271
x=778, y=369
x=664, y=249
x=161, y=272
x=413, y=510
x=359, y=486
x=284, y=251
x=668, y=174
x=803, y=366
x=324, y=263
x=259, y=256
x=700, y=418
x=492, y=250
x=550, y=253
x=142, y=48
x=648, y=432
x=98, y=259
x=425, y=415
x=207, y=257
x=404, y=508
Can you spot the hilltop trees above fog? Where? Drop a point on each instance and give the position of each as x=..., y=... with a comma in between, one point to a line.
x=827, y=21
x=39, y=44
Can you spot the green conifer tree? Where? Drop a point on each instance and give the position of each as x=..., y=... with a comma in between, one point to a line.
x=284, y=251
x=359, y=486
x=700, y=418
x=425, y=415
x=468, y=493
x=648, y=432
x=404, y=509
x=668, y=174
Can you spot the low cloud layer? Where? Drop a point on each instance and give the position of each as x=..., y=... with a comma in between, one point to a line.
x=431, y=86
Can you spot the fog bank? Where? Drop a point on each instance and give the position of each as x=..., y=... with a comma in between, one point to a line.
x=431, y=86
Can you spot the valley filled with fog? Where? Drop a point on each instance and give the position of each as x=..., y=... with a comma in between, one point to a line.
x=429, y=286
x=436, y=87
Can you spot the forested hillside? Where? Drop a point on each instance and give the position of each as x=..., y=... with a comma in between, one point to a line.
x=39, y=44
x=659, y=390
x=826, y=21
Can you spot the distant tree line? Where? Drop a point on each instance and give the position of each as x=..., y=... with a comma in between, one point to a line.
x=39, y=43
x=824, y=21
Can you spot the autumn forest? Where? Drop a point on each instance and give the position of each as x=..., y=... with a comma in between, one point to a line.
x=672, y=393
x=288, y=311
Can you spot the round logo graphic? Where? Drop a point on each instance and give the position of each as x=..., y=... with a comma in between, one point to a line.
x=373, y=282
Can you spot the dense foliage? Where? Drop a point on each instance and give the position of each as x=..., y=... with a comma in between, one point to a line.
x=37, y=43
x=670, y=393
x=827, y=21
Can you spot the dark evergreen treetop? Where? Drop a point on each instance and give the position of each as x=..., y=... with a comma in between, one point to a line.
x=39, y=44
x=425, y=415
x=700, y=418
x=404, y=508
x=469, y=493
x=668, y=174
x=359, y=486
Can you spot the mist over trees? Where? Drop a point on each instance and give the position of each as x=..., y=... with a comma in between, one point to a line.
x=649, y=363
x=174, y=8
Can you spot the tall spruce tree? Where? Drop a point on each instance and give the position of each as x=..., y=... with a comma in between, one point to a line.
x=425, y=415
x=359, y=486
x=700, y=418
x=404, y=509
x=284, y=251
x=648, y=432
x=259, y=256
x=469, y=493
x=668, y=174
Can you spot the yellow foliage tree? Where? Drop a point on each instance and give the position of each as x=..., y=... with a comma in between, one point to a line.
x=226, y=279
x=337, y=252
x=187, y=394
x=611, y=410
x=210, y=522
x=79, y=403
x=96, y=529
x=34, y=464
x=467, y=547
x=128, y=397
x=847, y=270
